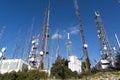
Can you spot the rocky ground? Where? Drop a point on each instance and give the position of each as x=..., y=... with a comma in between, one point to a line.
x=101, y=75
x=112, y=75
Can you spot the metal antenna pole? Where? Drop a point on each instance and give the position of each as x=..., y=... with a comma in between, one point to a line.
x=106, y=49
x=68, y=45
x=52, y=52
x=45, y=39
x=58, y=48
x=116, y=37
x=17, y=45
x=2, y=31
x=85, y=51
x=28, y=42
x=30, y=39
x=43, y=42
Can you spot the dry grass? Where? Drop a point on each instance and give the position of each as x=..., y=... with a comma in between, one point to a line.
x=102, y=75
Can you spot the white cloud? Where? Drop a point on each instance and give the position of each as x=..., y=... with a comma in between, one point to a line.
x=56, y=35
x=74, y=30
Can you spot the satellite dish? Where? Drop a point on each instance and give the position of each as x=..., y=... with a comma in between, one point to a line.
x=114, y=48
x=41, y=53
x=85, y=45
x=33, y=41
x=31, y=59
x=3, y=49
x=105, y=48
x=98, y=36
x=30, y=55
x=0, y=54
x=97, y=14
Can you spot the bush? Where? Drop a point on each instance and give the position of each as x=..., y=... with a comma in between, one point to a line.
x=60, y=70
x=23, y=75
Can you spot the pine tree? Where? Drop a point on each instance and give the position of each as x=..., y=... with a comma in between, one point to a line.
x=60, y=69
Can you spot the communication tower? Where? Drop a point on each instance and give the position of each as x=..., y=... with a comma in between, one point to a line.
x=85, y=46
x=104, y=44
x=33, y=56
x=106, y=50
x=116, y=37
x=68, y=45
x=2, y=31
x=3, y=50
x=28, y=42
x=17, y=45
x=44, y=53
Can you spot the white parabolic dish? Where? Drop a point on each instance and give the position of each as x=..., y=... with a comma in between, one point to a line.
x=0, y=54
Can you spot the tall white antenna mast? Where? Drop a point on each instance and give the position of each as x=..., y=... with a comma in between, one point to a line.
x=117, y=40
x=2, y=31
x=68, y=45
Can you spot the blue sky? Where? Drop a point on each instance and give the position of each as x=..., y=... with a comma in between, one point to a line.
x=18, y=14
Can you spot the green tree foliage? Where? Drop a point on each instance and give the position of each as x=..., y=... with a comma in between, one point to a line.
x=118, y=60
x=60, y=69
x=23, y=75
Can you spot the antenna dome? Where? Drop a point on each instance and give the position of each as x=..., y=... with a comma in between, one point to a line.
x=0, y=54
x=41, y=53
x=3, y=49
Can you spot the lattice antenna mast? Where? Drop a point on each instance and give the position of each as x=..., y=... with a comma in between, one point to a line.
x=43, y=44
x=28, y=41
x=85, y=51
x=2, y=31
x=45, y=36
x=34, y=52
x=52, y=55
x=17, y=45
x=58, y=47
x=4, y=48
x=116, y=37
x=105, y=49
x=68, y=45
x=30, y=38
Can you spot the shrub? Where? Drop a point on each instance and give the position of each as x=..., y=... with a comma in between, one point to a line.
x=23, y=75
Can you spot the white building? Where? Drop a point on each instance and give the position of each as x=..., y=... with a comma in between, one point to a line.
x=105, y=64
x=9, y=65
x=75, y=64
